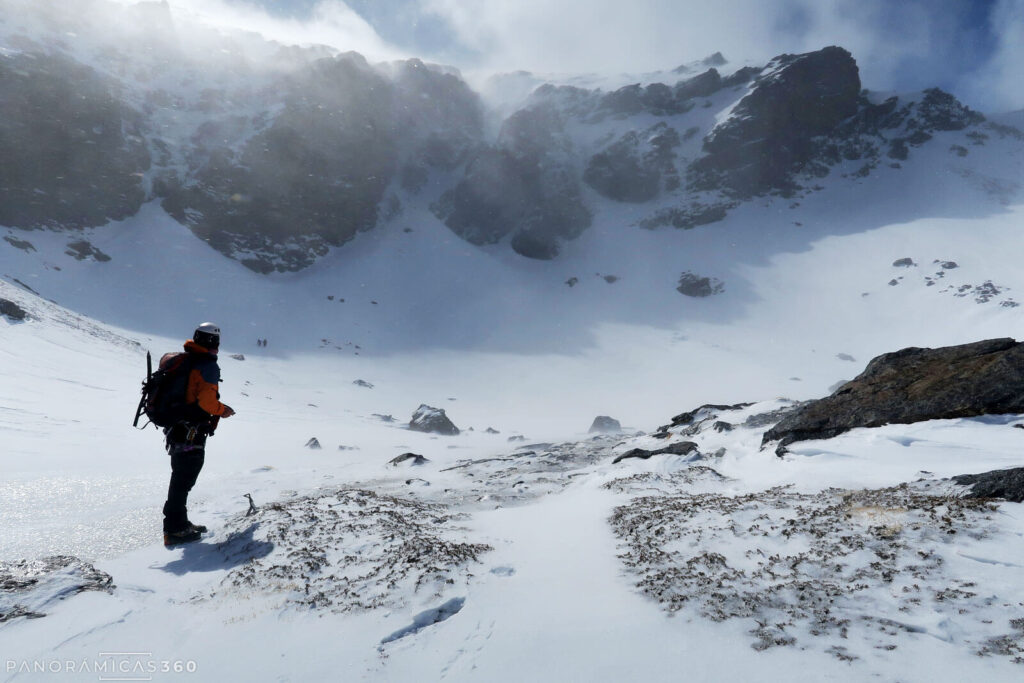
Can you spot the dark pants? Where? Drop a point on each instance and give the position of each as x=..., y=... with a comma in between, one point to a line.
x=187, y=458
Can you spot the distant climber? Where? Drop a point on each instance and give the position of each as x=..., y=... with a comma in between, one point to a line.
x=186, y=438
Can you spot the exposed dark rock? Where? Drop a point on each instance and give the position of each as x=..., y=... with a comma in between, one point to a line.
x=702, y=85
x=913, y=385
x=573, y=281
x=312, y=179
x=492, y=430
x=238, y=356
x=773, y=416
x=603, y=424
x=770, y=134
x=635, y=167
x=904, y=262
x=1006, y=484
x=527, y=187
x=949, y=265
x=938, y=110
x=72, y=151
x=313, y=444
x=409, y=458
x=11, y=310
x=678, y=448
x=691, y=284
x=82, y=249
x=704, y=412
x=625, y=101
x=24, y=245
x=363, y=383
x=685, y=218
x=27, y=587
x=384, y=418
x=432, y=420
x=846, y=357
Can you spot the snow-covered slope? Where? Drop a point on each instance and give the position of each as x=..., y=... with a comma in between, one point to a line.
x=505, y=344
x=521, y=548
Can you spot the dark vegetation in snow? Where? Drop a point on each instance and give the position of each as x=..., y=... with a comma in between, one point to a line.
x=850, y=565
x=351, y=550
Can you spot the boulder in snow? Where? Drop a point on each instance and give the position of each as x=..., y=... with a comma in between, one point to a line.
x=313, y=444
x=11, y=310
x=1007, y=484
x=678, y=448
x=409, y=459
x=914, y=385
x=691, y=284
x=603, y=424
x=432, y=420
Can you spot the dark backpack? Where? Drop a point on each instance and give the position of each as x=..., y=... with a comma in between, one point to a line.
x=163, y=391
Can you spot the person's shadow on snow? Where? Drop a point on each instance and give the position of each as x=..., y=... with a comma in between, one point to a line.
x=237, y=549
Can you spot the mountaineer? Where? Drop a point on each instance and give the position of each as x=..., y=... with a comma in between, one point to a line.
x=194, y=376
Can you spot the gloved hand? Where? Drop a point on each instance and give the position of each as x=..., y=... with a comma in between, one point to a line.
x=228, y=411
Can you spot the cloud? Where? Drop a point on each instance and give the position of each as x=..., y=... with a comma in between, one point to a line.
x=999, y=82
x=329, y=22
x=971, y=47
x=906, y=45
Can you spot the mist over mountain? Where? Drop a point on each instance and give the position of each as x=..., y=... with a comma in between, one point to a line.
x=274, y=155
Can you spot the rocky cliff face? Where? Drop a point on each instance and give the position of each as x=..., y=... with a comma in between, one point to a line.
x=771, y=133
x=313, y=178
x=73, y=153
x=526, y=186
x=274, y=162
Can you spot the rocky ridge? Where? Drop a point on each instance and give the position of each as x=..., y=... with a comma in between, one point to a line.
x=276, y=155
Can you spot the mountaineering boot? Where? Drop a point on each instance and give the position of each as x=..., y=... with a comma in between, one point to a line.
x=198, y=527
x=186, y=535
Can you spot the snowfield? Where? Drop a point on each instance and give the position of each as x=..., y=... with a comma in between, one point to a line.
x=527, y=553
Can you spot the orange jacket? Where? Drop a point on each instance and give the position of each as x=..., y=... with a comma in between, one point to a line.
x=203, y=380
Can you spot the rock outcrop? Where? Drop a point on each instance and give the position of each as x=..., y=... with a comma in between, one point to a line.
x=11, y=310
x=29, y=588
x=72, y=150
x=679, y=448
x=635, y=167
x=771, y=133
x=603, y=424
x=525, y=188
x=432, y=420
x=1006, y=484
x=693, y=285
x=913, y=385
x=409, y=459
